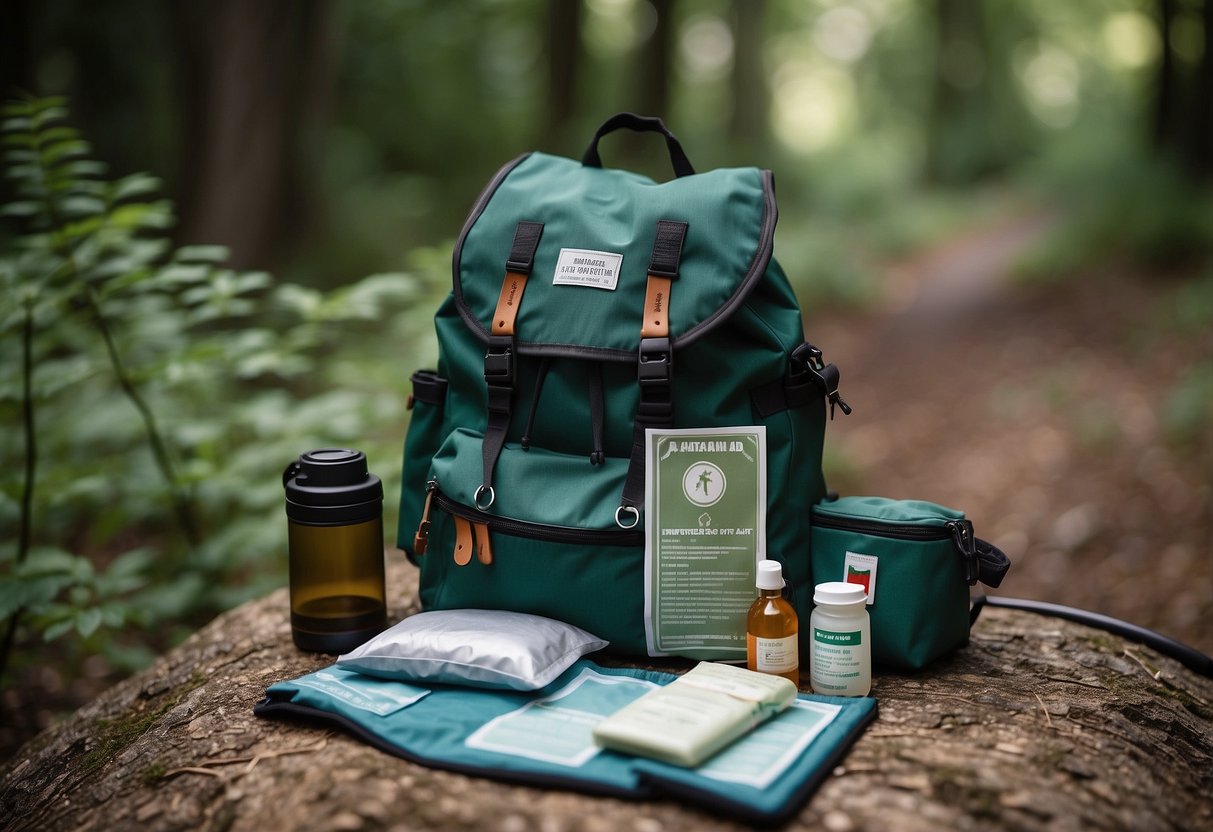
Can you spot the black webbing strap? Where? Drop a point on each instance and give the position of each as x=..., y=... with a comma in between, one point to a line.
x=499, y=371
x=522, y=252
x=655, y=362
x=428, y=387
x=992, y=563
x=808, y=378
x=541, y=376
x=983, y=561
x=597, y=398
x=667, y=248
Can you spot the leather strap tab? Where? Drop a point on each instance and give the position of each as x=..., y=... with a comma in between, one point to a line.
x=508, y=302
x=484, y=547
x=656, y=308
x=464, y=542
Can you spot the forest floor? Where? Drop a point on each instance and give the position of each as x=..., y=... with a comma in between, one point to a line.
x=1037, y=409
x=1042, y=411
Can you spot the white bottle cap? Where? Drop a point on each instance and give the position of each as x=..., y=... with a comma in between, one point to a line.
x=837, y=592
x=770, y=575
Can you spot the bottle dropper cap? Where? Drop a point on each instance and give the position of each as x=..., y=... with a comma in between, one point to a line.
x=770, y=575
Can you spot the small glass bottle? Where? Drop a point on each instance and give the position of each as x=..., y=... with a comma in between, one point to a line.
x=772, y=628
x=841, y=663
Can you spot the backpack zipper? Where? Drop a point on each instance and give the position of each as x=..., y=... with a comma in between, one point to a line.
x=520, y=528
x=960, y=532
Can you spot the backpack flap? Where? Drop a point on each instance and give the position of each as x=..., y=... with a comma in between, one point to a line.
x=586, y=293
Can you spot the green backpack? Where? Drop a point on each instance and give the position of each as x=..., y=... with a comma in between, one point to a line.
x=523, y=480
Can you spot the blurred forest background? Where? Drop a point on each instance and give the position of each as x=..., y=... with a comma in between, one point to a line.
x=226, y=226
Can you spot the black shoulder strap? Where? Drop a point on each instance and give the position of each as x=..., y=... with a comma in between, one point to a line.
x=499, y=359
x=655, y=362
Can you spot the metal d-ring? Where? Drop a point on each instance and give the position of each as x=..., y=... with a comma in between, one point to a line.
x=480, y=491
x=635, y=512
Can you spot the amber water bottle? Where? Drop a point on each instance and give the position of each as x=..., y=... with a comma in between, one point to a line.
x=334, y=510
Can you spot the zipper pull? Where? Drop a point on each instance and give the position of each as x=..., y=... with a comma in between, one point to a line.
x=966, y=544
x=421, y=540
x=464, y=542
x=836, y=399
x=484, y=547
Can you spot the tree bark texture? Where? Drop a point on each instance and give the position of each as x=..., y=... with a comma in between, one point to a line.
x=1038, y=723
x=257, y=79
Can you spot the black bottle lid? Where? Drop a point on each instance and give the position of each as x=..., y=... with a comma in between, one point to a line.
x=332, y=487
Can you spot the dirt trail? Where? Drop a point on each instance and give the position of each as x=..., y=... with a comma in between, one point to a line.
x=1038, y=412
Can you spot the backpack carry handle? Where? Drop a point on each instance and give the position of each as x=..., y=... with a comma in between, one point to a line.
x=641, y=124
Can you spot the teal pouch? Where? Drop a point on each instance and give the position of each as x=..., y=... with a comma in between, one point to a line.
x=917, y=560
x=544, y=738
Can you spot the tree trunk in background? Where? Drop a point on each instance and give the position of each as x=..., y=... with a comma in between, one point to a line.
x=653, y=62
x=1183, y=95
x=563, y=47
x=649, y=96
x=256, y=79
x=960, y=67
x=751, y=99
x=1201, y=140
x=977, y=124
x=16, y=66
x=1166, y=81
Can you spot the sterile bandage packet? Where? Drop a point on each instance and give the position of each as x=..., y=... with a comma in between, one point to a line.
x=696, y=715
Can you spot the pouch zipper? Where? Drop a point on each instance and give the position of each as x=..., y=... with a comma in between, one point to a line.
x=960, y=532
x=899, y=531
x=523, y=528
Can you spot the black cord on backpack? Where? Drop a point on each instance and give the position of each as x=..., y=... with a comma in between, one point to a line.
x=1189, y=657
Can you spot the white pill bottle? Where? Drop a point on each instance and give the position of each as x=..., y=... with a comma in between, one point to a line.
x=841, y=633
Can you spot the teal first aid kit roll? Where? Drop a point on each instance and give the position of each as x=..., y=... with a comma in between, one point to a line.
x=544, y=738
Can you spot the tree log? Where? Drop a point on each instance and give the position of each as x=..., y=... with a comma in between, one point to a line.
x=1038, y=723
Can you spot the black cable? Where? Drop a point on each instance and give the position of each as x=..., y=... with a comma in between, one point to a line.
x=1189, y=657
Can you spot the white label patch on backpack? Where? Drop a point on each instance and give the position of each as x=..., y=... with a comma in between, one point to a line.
x=581, y=267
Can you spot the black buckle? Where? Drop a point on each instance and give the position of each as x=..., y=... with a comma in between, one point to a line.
x=654, y=371
x=499, y=362
x=655, y=361
x=810, y=356
x=499, y=373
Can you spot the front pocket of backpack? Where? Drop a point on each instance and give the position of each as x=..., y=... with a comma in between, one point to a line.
x=556, y=550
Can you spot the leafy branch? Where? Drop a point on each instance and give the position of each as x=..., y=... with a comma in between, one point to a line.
x=224, y=374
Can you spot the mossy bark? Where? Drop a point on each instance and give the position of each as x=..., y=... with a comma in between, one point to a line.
x=1038, y=723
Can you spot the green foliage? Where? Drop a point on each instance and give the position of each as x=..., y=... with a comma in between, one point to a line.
x=159, y=396
x=1145, y=212
x=1188, y=408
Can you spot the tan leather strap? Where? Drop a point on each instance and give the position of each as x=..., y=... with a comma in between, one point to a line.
x=484, y=547
x=656, y=308
x=464, y=543
x=508, y=302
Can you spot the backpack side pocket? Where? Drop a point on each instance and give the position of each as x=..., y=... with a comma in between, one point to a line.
x=428, y=405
